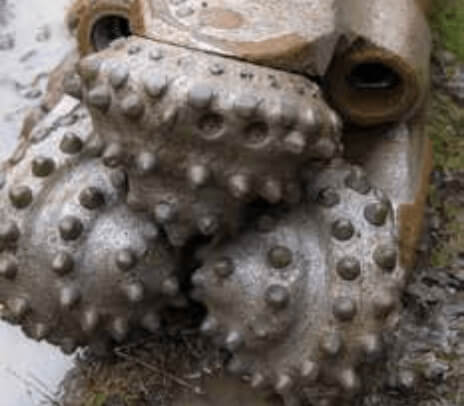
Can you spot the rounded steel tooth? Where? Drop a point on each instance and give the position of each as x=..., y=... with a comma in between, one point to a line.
x=271, y=191
x=325, y=148
x=119, y=329
x=358, y=181
x=135, y=292
x=126, y=260
x=328, y=197
x=280, y=257
x=155, y=84
x=311, y=120
x=277, y=297
x=171, y=287
x=258, y=381
x=113, y=155
x=40, y=331
x=100, y=98
x=376, y=213
x=372, y=346
x=210, y=326
x=90, y=321
x=224, y=268
x=70, y=228
x=71, y=144
x=309, y=372
x=119, y=75
x=198, y=176
x=349, y=268
x=200, y=96
x=384, y=303
x=8, y=268
x=295, y=143
x=9, y=233
x=246, y=106
x=331, y=344
x=146, y=163
x=18, y=307
x=208, y=225
x=233, y=341
x=132, y=106
x=240, y=186
x=70, y=296
x=72, y=86
x=151, y=322
x=385, y=256
x=95, y=146
x=68, y=346
x=89, y=68
x=92, y=198
x=343, y=230
x=165, y=213
x=42, y=166
x=284, y=384
x=344, y=309
x=21, y=196
x=119, y=180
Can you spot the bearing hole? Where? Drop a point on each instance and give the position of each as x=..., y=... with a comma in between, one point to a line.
x=373, y=76
x=107, y=29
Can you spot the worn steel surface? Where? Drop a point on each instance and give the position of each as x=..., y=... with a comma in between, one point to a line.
x=264, y=158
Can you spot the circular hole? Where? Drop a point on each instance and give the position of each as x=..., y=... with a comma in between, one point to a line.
x=107, y=29
x=373, y=76
x=211, y=126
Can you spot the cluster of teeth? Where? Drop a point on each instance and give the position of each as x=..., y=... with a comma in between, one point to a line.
x=76, y=265
x=167, y=113
x=301, y=299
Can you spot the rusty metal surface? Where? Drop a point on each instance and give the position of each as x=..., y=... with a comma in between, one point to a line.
x=200, y=153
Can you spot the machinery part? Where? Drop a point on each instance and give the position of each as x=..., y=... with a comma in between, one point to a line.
x=302, y=299
x=76, y=266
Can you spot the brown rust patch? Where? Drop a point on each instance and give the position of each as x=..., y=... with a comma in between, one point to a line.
x=221, y=18
x=411, y=216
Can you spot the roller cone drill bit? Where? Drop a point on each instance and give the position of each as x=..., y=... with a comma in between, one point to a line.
x=276, y=145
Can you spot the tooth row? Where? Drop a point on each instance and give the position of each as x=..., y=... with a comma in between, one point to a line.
x=302, y=299
x=75, y=263
x=172, y=111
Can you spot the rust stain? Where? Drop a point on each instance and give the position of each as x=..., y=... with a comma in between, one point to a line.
x=221, y=18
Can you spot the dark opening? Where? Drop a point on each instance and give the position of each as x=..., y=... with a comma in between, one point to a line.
x=373, y=76
x=107, y=29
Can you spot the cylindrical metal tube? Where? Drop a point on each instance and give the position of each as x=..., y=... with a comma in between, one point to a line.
x=381, y=71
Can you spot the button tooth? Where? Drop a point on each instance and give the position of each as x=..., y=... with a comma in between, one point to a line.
x=132, y=106
x=9, y=232
x=100, y=98
x=126, y=259
x=90, y=321
x=119, y=329
x=151, y=322
x=371, y=345
x=331, y=344
x=240, y=186
x=119, y=75
x=344, y=309
x=89, y=68
x=343, y=230
x=69, y=297
x=42, y=166
x=349, y=382
x=280, y=257
x=155, y=84
x=210, y=326
x=384, y=303
x=277, y=297
x=271, y=191
x=349, y=268
x=72, y=85
x=135, y=292
x=71, y=144
x=224, y=268
x=295, y=143
x=234, y=341
x=311, y=120
x=92, y=198
x=385, y=257
x=119, y=180
x=113, y=155
x=171, y=287
x=95, y=146
x=284, y=383
x=146, y=163
x=198, y=175
x=376, y=213
x=310, y=372
x=70, y=228
x=200, y=96
x=9, y=268
x=165, y=213
x=21, y=196
x=18, y=307
x=208, y=225
x=358, y=181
